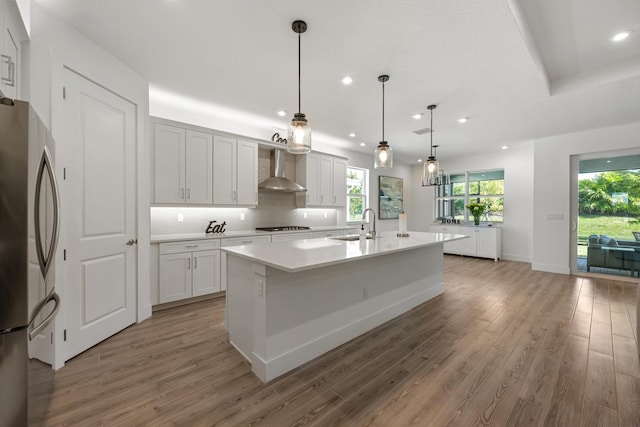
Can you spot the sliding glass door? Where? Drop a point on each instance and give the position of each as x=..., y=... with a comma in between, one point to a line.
x=606, y=214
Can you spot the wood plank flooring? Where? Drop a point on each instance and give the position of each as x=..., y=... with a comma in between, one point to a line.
x=503, y=346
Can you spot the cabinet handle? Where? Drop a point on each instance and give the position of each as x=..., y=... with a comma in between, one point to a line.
x=182, y=193
x=188, y=263
x=246, y=242
x=321, y=198
x=234, y=195
x=195, y=262
x=334, y=200
x=191, y=246
x=188, y=193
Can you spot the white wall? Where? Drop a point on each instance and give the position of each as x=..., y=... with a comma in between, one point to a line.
x=53, y=47
x=517, y=162
x=551, y=192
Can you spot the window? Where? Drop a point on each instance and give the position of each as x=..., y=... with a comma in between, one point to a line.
x=357, y=193
x=484, y=187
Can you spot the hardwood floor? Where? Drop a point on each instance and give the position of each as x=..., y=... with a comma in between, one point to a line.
x=504, y=345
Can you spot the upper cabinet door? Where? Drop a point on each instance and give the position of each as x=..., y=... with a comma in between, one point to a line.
x=169, y=164
x=339, y=182
x=224, y=170
x=247, y=173
x=312, y=178
x=326, y=181
x=199, y=165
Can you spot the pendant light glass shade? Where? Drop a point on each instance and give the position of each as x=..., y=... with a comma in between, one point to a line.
x=431, y=172
x=299, y=130
x=383, y=155
x=299, y=135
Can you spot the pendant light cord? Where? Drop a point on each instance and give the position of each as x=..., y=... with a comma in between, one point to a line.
x=383, y=111
x=299, y=74
x=431, y=152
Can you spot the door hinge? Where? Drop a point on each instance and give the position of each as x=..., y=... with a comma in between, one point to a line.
x=64, y=92
x=65, y=334
x=64, y=254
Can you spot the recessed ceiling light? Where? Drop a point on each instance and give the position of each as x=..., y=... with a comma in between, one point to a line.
x=352, y=135
x=419, y=160
x=463, y=120
x=347, y=80
x=362, y=144
x=417, y=116
x=282, y=113
x=504, y=147
x=620, y=36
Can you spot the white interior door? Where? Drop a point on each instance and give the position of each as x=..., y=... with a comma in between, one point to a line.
x=100, y=189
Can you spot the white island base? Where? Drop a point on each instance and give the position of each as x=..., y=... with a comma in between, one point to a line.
x=280, y=319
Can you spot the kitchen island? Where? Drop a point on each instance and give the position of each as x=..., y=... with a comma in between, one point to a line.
x=289, y=302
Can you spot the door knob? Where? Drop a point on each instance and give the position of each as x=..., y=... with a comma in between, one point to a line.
x=132, y=242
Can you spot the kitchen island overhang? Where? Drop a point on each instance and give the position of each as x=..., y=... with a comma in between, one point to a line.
x=290, y=302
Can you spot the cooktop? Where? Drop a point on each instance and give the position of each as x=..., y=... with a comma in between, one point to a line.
x=283, y=228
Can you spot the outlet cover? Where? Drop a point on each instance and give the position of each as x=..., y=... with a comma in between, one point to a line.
x=180, y=217
x=241, y=217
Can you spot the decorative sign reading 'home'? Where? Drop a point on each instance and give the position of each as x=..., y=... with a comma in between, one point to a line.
x=218, y=228
x=277, y=139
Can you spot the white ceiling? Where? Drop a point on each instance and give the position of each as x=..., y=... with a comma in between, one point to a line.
x=519, y=69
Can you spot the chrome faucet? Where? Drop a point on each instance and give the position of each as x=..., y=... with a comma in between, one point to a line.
x=364, y=214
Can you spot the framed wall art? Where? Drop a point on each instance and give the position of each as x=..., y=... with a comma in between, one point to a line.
x=390, y=192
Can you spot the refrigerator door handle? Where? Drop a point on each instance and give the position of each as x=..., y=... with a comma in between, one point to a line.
x=35, y=330
x=45, y=260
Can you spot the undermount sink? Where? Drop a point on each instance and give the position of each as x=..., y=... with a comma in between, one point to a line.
x=351, y=237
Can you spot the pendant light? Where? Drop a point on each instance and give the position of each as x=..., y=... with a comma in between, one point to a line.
x=383, y=156
x=299, y=130
x=431, y=174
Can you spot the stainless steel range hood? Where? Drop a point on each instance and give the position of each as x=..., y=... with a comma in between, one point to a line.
x=277, y=180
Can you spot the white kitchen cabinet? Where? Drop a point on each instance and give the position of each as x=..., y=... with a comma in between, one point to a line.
x=235, y=172
x=484, y=242
x=325, y=178
x=339, y=190
x=449, y=247
x=183, y=161
x=11, y=35
x=188, y=269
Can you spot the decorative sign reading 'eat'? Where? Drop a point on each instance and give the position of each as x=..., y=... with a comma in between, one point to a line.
x=218, y=228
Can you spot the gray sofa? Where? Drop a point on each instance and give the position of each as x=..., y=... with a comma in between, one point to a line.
x=606, y=252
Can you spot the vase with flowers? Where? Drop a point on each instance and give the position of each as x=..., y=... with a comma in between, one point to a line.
x=476, y=209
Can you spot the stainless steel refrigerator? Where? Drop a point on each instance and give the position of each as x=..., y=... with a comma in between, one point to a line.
x=29, y=223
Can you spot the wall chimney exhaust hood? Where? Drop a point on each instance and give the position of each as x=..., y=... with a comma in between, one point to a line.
x=277, y=180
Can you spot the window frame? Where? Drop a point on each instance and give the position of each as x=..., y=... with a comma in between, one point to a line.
x=364, y=196
x=439, y=200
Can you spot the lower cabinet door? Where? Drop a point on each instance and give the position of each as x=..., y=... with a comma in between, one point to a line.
x=206, y=272
x=175, y=277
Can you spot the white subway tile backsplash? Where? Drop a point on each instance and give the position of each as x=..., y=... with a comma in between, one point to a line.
x=281, y=211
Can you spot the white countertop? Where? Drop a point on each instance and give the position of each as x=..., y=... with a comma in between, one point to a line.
x=242, y=233
x=299, y=255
